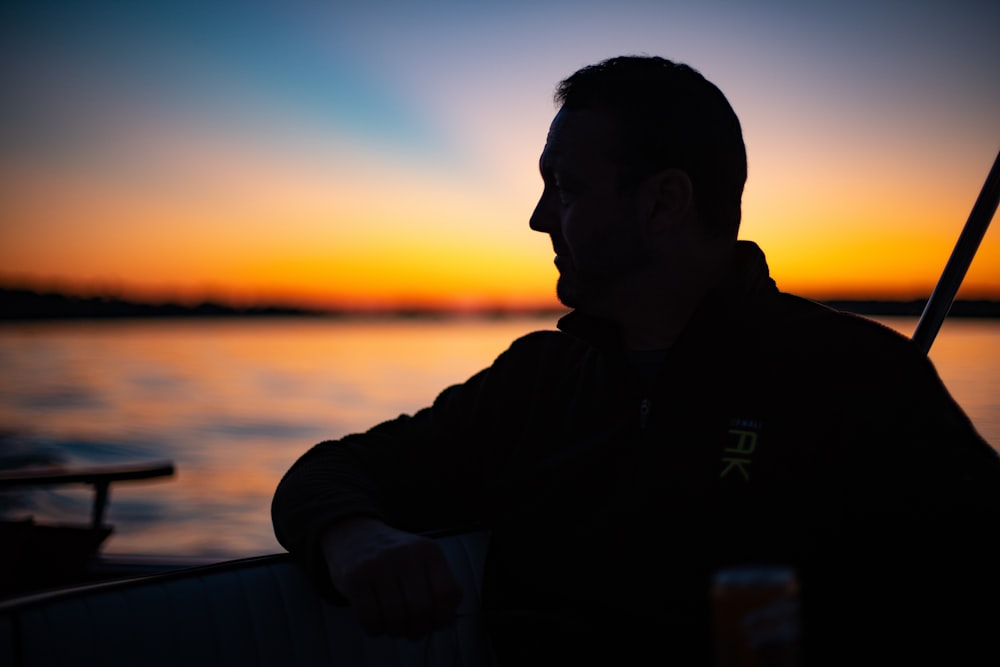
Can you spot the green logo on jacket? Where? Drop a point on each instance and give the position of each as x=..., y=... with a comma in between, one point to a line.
x=741, y=444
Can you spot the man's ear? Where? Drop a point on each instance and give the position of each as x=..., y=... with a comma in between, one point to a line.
x=668, y=198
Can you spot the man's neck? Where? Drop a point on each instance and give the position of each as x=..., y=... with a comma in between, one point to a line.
x=658, y=326
x=655, y=322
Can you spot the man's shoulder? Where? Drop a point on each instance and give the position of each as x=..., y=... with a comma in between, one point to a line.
x=544, y=344
x=797, y=323
x=796, y=312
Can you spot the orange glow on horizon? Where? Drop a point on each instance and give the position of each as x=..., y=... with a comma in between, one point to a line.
x=342, y=156
x=334, y=226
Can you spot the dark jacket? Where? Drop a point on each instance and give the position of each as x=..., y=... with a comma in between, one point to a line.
x=774, y=430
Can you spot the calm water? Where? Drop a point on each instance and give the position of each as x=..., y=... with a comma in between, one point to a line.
x=234, y=403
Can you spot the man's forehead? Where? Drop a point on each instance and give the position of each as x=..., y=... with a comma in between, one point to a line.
x=581, y=130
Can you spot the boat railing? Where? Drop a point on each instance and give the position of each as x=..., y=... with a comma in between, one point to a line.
x=38, y=555
x=255, y=611
x=100, y=477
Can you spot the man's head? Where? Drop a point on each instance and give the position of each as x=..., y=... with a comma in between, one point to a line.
x=643, y=173
x=668, y=115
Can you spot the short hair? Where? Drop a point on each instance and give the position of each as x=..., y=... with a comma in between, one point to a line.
x=669, y=115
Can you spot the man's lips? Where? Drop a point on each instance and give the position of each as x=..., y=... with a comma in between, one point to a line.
x=562, y=258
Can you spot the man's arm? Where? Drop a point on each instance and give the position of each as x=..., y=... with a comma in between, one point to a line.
x=406, y=473
x=352, y=511
x=349, y=511
x=398, y=582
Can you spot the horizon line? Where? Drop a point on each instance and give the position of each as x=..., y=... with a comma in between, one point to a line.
x=24, y=303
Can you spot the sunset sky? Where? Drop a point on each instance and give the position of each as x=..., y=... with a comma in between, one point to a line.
x=376, y=153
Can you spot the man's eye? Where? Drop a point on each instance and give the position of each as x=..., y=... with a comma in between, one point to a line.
x=565, y=192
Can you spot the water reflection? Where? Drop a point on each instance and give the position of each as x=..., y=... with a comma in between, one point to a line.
x=234, y=403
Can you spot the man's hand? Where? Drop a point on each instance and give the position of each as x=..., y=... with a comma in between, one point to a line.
x=399, y=583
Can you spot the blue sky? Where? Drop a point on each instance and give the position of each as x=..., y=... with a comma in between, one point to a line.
x=247, y=140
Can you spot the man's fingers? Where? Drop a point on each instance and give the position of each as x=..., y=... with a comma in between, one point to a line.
x=419, y=601
x=427, y=592
x=394, y=610
x=445, y=591
x=366, y=602
x=431, y=597
x=405, y=591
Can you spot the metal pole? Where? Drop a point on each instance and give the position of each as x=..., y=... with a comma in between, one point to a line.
x=961, y=256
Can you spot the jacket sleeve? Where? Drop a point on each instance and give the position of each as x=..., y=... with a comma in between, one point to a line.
x=422, y=472
x=407, y=472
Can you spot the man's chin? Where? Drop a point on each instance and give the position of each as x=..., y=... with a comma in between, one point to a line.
x=567, y=293
x=573, y=295
x=586, y=298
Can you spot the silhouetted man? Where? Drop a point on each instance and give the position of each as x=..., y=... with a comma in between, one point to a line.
x=688, y=416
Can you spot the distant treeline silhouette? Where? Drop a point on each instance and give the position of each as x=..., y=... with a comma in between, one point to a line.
x=24, y=304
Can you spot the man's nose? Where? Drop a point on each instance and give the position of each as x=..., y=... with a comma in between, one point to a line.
x=542, y=217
